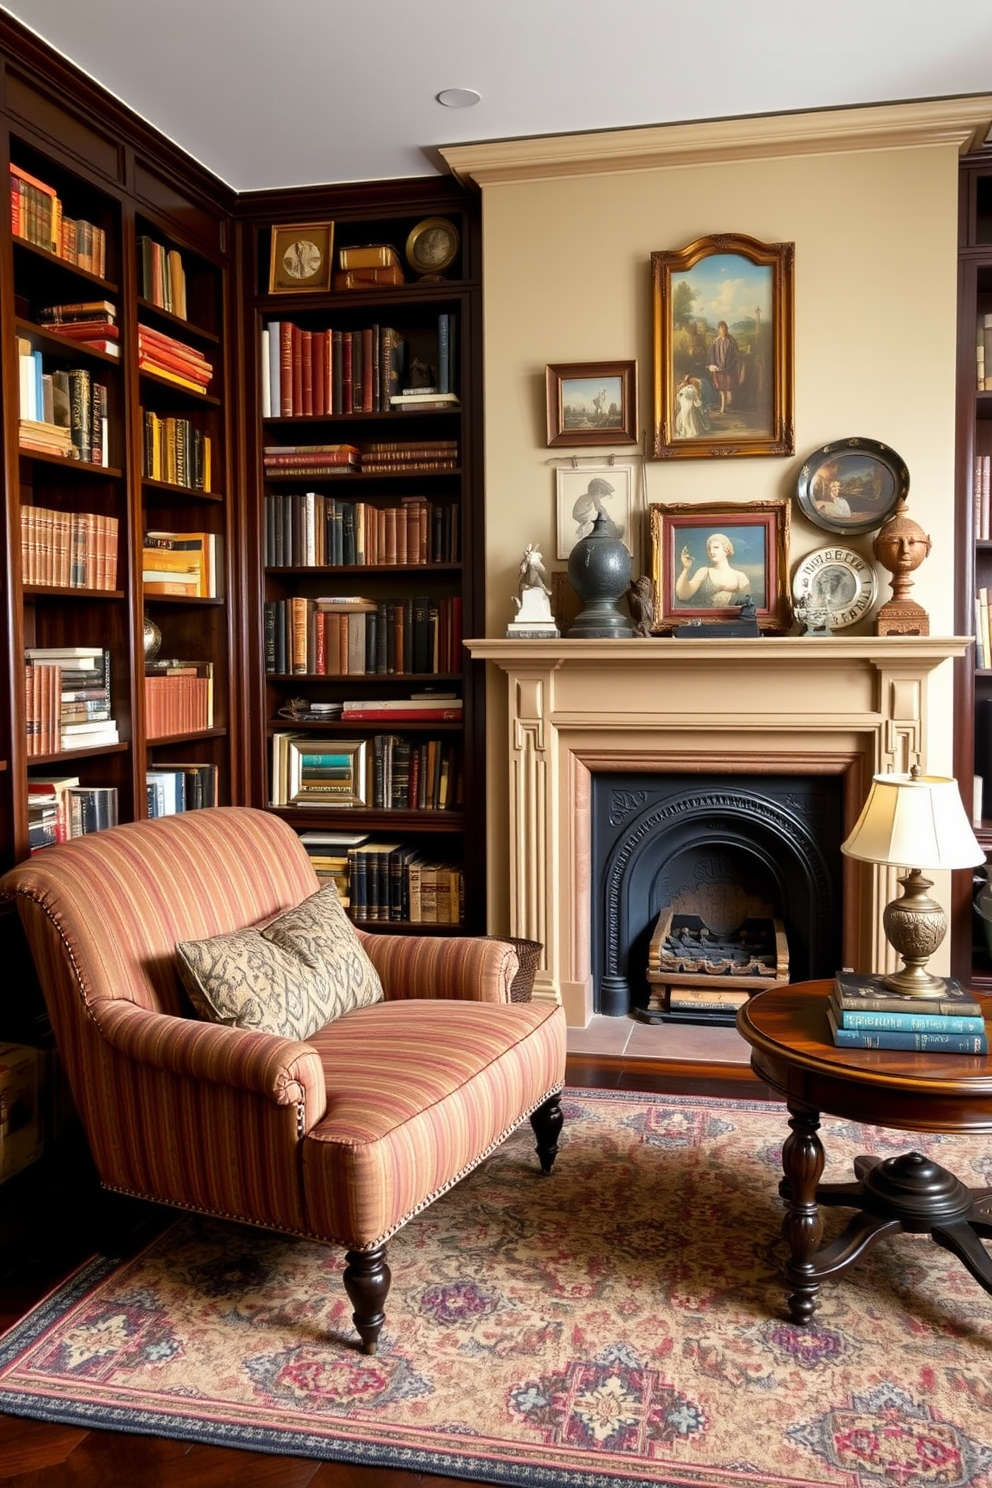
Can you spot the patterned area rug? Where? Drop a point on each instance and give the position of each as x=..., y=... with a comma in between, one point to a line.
x=620, y=1323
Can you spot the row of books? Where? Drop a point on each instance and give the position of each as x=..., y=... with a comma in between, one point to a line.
x=394, y=882
x=67, y=699
x=173, y=360
x=185, y=564
x=90, y=323
x=36, y=215
x=340, y=637
x=71, y=550
x=179, y=698
x=60, y=807
x=318, y=373
x=176, y=451
x=415, y=774
x=162, y=276
x=379, y=457
x=864, y=1014
x=171, y=788
x=63, y=411
x=310, y=529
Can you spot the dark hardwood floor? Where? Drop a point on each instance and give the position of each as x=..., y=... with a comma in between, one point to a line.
x=52, y=1217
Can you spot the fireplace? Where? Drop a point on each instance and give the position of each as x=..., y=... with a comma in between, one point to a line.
x=729, y=711
x=741, y=854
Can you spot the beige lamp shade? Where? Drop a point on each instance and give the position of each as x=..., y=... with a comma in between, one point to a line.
x=914, y=821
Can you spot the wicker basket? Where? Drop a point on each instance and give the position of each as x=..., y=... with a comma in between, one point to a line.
x=529, y=956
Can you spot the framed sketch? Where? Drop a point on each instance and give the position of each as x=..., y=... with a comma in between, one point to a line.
x=723, y=348
x=583, y=493
x=301, y=257
x=309, y=771
x=706, y=560
x=592, y=403
x=851, y=486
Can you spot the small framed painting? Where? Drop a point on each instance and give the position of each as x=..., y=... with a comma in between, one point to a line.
x=583, y=494
x=707, y=560
x=592, y=403
x=723, y=348
x=301, y=258
x=310, y=771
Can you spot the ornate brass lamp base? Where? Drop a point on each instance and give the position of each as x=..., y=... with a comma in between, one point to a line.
x=914, y=926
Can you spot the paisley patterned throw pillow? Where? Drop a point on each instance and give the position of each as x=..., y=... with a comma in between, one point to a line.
x=298, y=973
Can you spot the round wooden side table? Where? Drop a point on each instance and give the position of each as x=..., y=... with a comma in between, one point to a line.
x=792, y=1052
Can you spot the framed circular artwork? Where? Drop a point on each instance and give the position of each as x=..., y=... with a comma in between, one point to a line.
x=836, y=583
x=851, y=486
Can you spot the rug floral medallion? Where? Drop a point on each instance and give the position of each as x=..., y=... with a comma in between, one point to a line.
x=620, y=1323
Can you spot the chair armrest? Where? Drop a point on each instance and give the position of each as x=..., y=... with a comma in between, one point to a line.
x=467, y=968
x=287, y=1071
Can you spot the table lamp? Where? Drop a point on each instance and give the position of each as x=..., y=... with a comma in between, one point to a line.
x=914, y=821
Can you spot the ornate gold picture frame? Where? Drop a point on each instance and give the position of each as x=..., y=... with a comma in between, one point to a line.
x=723, y=348
x=707, y=559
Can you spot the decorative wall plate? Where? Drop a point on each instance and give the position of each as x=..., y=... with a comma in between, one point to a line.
x=836, y=582
x=432, y=245
x=851, y=486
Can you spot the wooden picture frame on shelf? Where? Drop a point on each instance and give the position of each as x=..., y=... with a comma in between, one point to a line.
x=311, y=771
x=722, y=312
x=591, y=403
x=707, y=558
x=301, y=258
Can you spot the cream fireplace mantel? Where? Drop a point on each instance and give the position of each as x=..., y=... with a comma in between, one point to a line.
x=849, y=706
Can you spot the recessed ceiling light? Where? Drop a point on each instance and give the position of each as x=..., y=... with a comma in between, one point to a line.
x=459, y=97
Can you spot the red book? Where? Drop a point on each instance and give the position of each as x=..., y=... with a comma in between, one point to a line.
x=347, y=386
x=80, y=329
x=319, y=343
x=297, y=371
x=306, y=373
x=157, y=358
x=369, y=339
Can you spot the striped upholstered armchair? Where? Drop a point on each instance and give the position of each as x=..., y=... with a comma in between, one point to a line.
x=340, y=1136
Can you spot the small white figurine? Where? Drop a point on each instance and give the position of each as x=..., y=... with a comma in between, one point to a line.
x=532, y=602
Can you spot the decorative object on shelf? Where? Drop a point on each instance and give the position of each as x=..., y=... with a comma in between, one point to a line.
x=707, y=559
x=599, y=572
x=811, y=615
x=432, y=247
x=583, y=495
x=532, y=601
x=745, y=625
x=914, y=821
x=901, y=547
x=723, y=386
x=851, y=486
x=308, y=771
x=836, y=586
x=151, y=637
x=592, y=403
x=640, y=603
x=302, y=257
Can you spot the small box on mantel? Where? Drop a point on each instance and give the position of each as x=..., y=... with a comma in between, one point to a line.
x=21, y=1126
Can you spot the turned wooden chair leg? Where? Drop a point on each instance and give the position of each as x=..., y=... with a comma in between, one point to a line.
x=366, y=1280
x=547, y=1122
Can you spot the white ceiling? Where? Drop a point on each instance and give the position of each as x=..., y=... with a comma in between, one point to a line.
x=326, y=91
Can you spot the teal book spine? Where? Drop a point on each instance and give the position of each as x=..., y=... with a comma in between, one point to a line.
x=912, y=1022
x=931, y=1043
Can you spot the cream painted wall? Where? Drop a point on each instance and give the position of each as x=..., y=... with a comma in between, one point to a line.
x=567, y=278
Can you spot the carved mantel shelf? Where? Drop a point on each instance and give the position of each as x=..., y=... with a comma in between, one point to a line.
x=846, y=705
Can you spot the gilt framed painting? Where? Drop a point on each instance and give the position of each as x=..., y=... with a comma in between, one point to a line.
x=723, y=348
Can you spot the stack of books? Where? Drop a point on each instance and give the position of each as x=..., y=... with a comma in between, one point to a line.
x=181, y=563
x=90, y=322
x=311, y=459
x=68, y=698
x=173, y=360
x=864, y=1014
x=328, y=852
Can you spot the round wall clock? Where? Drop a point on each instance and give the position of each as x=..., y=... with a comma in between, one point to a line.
x=837, y=583
x=432, y=246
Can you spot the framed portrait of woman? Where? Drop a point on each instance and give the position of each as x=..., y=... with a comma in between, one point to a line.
x=708, y=560
x=723, y=348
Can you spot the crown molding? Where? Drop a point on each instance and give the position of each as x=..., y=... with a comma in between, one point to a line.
x=962, y=122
